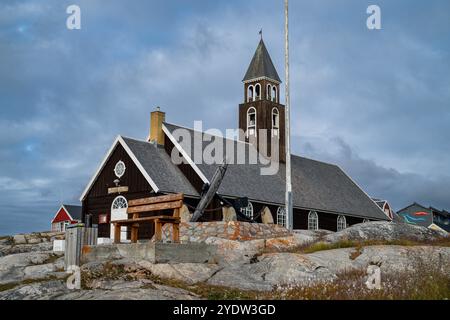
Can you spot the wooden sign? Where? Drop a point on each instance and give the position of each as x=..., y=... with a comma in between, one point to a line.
x=117, y=190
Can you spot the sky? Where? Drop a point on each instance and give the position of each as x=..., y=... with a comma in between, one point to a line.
x=375, y=102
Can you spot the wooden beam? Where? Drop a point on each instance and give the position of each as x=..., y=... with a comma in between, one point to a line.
x=146, y=219
x=156, y=207
x=152, y=200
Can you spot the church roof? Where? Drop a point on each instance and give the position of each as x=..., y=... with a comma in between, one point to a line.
x=261, y=65
x=316, y=185
x=157, y=163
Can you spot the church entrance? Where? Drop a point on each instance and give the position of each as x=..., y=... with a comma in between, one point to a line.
x=119, y=212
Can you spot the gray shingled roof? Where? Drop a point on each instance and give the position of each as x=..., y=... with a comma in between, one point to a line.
x=316, y=185
x=261, y=65
x=157, y=163
x=74, y=211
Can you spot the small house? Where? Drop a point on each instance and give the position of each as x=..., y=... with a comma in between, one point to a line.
x=66, y=215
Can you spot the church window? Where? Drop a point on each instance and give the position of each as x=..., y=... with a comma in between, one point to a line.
x=281, y=216
x=269, y=91
x=248, y=211
x=275, y=122
x=257, y=91
x=313, y=221
x=341, y=223
x=251, y=121
x=274, y=94
x=250, y=93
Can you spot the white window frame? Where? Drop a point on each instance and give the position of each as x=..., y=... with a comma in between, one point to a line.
x=276, y=125
x=248, y=211
x=313, y=220
x=253, y=111
x=269, y=92
x=274, y=94
x=281, y=216
x=120, y=175
x=341, y=223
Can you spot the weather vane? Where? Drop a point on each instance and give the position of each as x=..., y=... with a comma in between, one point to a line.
x=260, y=33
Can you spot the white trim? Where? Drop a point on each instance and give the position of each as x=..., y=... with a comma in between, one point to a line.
x=184, y=154
x=118, y=140
x=362, y=191
x=261, y=78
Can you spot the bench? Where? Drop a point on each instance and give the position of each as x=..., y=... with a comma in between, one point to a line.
x=139, y=206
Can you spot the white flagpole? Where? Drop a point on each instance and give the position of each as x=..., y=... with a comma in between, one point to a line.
x=288, y=199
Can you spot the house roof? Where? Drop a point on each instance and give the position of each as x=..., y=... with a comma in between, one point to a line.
x=261, y=65
x=316, y=185
x=157, y=163
x=73, y=210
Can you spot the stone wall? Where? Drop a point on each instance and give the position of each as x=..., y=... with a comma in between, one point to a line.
x=232, y=230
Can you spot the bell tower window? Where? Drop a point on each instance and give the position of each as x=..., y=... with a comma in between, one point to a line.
x=251, y=122
x=250, y=93
x=274, y=94
x=257, y=91
x=269, y=91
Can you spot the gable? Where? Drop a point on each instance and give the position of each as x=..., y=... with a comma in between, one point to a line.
x=61, y=216
x=132, y=178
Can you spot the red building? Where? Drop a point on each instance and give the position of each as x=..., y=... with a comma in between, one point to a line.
x=66, y=215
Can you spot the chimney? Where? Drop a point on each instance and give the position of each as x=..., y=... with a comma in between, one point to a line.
x=157, y=117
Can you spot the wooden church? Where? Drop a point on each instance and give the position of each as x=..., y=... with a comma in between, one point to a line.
x=324, y=196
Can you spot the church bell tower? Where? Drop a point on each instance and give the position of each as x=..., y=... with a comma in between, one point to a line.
x=261, y=108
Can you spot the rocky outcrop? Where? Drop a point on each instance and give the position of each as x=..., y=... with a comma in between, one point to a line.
x=382, y=230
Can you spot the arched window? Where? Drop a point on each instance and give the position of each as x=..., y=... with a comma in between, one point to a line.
x=313, y=221
x=250, y=92
x=341, y=223
x=257, y=91
x=251, y=122
x=281, y=216
x=275, y=122
x=248, y=211
x=119, y=212
x=269, y=91
x=274, y=94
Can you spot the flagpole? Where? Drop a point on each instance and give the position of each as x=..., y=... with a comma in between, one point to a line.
x=288, y=198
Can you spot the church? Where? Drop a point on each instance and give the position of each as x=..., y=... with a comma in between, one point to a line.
x=324, y=196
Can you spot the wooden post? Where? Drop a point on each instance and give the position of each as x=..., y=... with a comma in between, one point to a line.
x=117, y=228
x=176, y=232
x=158, y=230
x=134, y=233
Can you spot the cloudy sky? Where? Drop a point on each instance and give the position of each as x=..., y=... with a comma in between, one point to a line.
x=375, y=102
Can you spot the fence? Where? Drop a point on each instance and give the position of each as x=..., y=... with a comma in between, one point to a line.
x=78, y=236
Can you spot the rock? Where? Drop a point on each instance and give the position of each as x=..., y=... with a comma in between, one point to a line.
x=34, y=240
x=36, y=291
x=185, y=215
x=383, y=230
x=228, y=214
x=240, y=277
x=291, y=268
x=42, y=271
x=190, y=273
x=266, y=216
x=6, y=241
x=237, y=252
x=20, y=239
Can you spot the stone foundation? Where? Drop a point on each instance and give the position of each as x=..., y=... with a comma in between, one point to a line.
x=231, y=230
